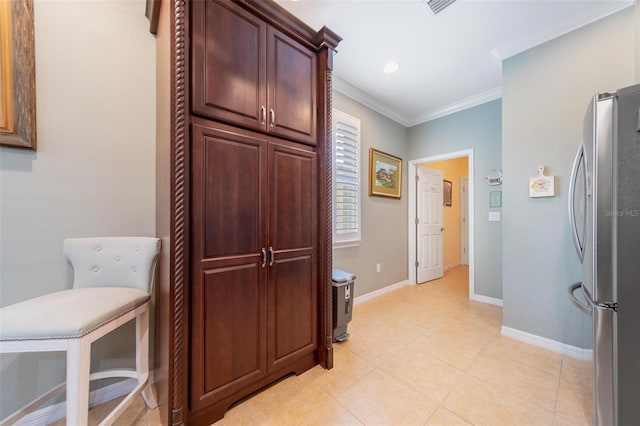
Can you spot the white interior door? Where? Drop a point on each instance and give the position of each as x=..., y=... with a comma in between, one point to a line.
x=464, y=221
x=429, y=224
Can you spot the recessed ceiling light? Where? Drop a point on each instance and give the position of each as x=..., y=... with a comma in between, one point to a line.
x=391, y=66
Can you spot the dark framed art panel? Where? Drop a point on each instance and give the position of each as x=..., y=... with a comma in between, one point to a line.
x=447, y=190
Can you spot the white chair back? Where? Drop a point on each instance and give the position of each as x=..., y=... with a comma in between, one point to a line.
x=113, y=261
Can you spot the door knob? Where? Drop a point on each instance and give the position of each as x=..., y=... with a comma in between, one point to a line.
x=441, y=229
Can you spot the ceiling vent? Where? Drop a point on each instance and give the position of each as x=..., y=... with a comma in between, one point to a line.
x=438, y=6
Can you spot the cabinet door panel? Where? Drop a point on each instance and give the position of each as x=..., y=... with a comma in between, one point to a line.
x=228, y=190
x=292, y=88
x=230, y=331
x=229, y=67
x=228, y=280
x=293, y=187
x=292, y=309
x=292, y=286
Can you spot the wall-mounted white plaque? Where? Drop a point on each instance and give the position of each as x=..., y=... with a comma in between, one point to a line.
x=541, y=185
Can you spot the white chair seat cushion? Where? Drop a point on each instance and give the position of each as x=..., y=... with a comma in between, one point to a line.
x=67, y=314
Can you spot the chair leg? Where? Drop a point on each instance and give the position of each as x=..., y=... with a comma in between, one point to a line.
x=78, y=369
x=142, y=358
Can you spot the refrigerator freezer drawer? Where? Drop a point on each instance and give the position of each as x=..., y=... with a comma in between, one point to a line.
x=604, y=367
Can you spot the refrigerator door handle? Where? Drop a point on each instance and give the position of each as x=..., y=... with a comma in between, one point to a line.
x=587, y=309
x=572, y=189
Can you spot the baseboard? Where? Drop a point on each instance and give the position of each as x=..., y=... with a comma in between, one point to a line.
x=552, y=345
x=486, y=299
x=58, y=411
x=453, y=265
x=380, y=292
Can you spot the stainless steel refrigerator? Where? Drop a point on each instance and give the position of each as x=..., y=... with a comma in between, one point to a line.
x=604, y=211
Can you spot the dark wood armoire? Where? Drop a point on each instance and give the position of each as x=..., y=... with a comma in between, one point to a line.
x=246, y=276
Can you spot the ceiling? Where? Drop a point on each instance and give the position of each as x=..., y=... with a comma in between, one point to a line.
x=449, y=61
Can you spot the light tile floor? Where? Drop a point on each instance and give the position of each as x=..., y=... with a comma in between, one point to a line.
x=422, y=355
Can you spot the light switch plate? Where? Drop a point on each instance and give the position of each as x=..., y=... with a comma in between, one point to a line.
x=494, y=216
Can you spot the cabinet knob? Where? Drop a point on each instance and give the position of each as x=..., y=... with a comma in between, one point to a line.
x=264, y=257
x=273, y=116
x=271, y=256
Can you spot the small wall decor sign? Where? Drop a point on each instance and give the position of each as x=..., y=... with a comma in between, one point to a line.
x=541, y=185
x=493, y=177
x=495, y=199
x=385, y=174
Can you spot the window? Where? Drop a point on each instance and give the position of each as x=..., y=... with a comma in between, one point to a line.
x=346, y=180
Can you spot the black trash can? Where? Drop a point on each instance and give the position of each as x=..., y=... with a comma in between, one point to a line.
x=343, y=283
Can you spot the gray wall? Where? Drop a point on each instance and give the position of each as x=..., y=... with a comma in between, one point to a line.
x=93, y=173
x=478, y=128
x=637, y=42
x=545, y=94
x=384, y=220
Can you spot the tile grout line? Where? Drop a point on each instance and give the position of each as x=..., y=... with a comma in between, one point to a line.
x=555, y=408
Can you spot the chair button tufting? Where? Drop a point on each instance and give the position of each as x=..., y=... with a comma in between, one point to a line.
x=117, y=258
x=95, y=269
x=98, y=248
x=133, y=269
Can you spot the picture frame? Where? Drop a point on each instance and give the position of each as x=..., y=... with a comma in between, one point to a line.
x=447, y=189
x=17, y=75
x=152, y=12
x=385, y=174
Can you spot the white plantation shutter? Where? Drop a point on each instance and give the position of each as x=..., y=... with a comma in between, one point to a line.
x=346, y=179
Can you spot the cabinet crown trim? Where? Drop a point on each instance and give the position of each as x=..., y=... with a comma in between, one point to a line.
x=281, y=18
x=328, y=38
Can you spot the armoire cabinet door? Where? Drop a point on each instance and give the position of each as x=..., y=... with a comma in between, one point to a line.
x=292, y=288
x=229, y=64
x=292, y=88
x=249, y=74
x=228, y=297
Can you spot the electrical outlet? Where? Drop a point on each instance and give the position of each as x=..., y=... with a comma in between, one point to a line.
x=377, y=267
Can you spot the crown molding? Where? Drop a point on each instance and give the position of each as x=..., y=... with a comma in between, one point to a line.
x=512, y=48
x=367, y=100
x=470, y=102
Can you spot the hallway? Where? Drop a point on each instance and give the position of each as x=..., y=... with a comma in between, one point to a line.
x=423, y=355
x=427, y=355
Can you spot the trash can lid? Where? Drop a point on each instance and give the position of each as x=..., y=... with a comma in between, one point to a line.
x=340, y=276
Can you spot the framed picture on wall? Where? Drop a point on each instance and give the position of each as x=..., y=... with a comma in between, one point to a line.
x=385, y=174
x=446, y=192
x=17, y=75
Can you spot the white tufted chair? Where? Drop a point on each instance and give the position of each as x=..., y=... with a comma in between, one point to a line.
x=113, y=281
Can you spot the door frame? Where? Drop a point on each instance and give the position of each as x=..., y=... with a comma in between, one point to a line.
x=412, y=194
x=464, y=209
